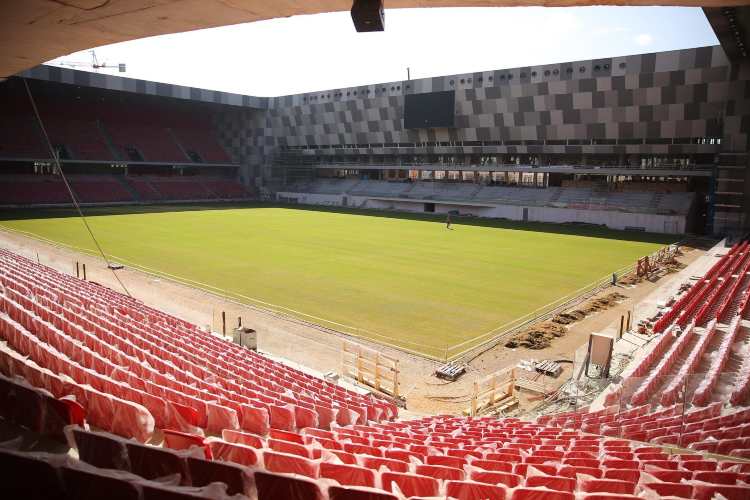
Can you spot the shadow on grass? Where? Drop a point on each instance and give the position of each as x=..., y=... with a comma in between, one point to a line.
x=575, y=229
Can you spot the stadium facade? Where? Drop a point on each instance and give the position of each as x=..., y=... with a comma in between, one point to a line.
x=655, y=123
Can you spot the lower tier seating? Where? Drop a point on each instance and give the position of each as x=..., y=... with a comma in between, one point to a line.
x=561, y=197
x=50, y=189
x=135, y=369
x=509, y=459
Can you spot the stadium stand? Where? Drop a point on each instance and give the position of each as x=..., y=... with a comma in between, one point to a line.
x=32, y=190
x=82, y=138
x=89, y=125
x=21, y=138
x=138, y=142
x=200, y=141
x=463, y=458
x=99, y=189
x=672, y=394
x=380, y=188
x=103, y=188
x=225, y=189
x=113, y=354
x=96, y=358
x=561, y=197
x=73, y=125
x=143, y=188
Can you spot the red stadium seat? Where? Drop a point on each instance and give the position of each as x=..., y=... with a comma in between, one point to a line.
x=348, y=475
x=276, y=486
x=540, y=494
x=410, y=484
x=467, y=490
x=289, y=464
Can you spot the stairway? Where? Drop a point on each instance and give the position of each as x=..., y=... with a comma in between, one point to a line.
x=108, y=141
x=128, y=187
x=171, y=134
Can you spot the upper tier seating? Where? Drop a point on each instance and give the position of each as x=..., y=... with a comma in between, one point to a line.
x=20, y=137
x=154, y=143
x=202, y=142
x=82, y=138
x=97, y=125
x=134, y=368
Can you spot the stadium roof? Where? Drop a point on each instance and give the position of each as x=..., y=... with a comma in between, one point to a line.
x=34, y=31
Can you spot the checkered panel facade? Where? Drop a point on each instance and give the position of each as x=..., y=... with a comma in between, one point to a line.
x=676, y=94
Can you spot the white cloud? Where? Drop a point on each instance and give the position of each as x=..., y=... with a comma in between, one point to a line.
x=643, y=39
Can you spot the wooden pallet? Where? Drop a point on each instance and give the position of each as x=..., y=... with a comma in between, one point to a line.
x=451, y=371
x=548, y=367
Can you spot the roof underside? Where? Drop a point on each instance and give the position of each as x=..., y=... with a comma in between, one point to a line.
x=34, y=31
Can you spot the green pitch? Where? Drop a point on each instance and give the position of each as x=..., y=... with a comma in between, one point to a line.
x=402, y=280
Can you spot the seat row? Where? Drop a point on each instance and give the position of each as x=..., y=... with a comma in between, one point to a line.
x=23, y=405
x=684, y=476
x=178, y=375
x=688, y=303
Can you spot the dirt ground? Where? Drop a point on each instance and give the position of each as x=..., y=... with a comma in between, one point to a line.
x=318, y=349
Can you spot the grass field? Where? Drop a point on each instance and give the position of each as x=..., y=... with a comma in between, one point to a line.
x=402, y=280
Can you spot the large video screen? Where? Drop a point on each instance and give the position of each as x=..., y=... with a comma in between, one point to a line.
x=431, y=110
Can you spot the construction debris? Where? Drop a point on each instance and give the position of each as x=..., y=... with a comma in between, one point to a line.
x=540, y=336
x=533, y=386
x=537, y=336
x=549, y=367
x=451, y=371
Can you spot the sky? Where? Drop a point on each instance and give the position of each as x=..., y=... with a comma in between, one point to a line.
x=320, y=52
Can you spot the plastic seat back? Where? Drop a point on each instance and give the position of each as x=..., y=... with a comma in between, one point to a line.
x=101, y=450
x=348, y=475
x=276, y=486
x=204, y=472
x=467, y=490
